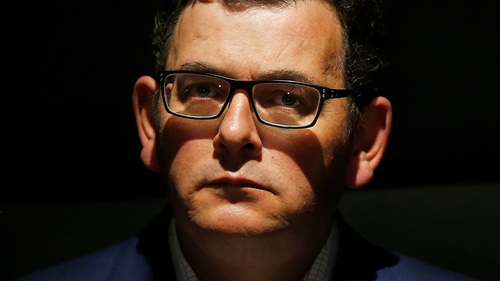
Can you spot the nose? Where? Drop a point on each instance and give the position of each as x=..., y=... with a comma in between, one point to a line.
x=238, y=132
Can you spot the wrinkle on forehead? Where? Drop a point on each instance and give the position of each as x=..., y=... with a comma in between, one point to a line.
x=245, y=36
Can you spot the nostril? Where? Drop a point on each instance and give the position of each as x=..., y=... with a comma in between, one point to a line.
x=249, y=146
x=220, y=147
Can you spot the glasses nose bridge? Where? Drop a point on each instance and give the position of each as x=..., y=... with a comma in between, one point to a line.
x=235, y=85
x=241, y=85
x=247, y=86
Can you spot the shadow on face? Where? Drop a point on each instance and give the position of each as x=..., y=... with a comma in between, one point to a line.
x=301, y=146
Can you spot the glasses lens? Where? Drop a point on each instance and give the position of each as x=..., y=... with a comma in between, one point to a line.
x=195, y=95
x=286, y=104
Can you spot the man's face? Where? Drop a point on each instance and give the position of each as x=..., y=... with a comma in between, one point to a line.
x=235, y=175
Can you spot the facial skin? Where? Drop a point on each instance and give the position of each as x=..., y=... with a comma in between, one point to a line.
x=235, y=177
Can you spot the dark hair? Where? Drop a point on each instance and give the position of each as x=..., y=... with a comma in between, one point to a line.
x=362, y=30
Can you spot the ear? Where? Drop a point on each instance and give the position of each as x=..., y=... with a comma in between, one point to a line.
x=144, y=91
x=370, y=140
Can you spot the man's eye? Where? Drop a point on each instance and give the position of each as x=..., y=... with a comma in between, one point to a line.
x=200, y=90
x=286, y=99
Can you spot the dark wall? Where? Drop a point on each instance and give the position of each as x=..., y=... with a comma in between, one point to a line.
x=74, y=135
x=443, y=84
x=71, y=134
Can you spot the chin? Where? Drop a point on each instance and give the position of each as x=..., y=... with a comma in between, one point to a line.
x=243, y=218
x=239, y=222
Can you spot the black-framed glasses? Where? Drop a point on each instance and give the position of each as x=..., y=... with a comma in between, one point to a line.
x=278, y=103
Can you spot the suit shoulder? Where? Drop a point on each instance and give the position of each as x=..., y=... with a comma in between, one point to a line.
x=117, y=262
x=411, y=269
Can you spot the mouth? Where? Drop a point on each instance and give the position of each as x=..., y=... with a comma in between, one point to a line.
x=236, y=184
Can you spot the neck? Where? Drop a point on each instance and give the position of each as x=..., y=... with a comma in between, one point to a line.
x=284, y=255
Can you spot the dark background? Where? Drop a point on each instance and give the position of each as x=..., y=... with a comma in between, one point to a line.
x=70, y=135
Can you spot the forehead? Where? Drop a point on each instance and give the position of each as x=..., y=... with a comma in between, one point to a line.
x=246, y=42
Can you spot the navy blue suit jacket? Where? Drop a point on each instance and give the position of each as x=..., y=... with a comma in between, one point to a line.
x=146, y=257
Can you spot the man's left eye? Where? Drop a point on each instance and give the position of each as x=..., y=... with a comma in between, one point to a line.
x=287, y=99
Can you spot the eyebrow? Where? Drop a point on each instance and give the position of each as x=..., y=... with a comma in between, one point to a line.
x=201, y=67
x=288, y=74
x=279, y=74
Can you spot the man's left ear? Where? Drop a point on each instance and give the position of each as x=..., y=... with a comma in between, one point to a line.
x=369, y=141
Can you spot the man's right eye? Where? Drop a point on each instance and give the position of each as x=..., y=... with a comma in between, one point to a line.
x=201, y=91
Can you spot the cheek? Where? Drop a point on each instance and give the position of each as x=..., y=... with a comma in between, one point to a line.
x=182, y=143
x=176, y=132
x=317, y=157
x=307, y=151
x=300, y=161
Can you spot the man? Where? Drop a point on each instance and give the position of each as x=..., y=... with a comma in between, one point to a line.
x=256, y=137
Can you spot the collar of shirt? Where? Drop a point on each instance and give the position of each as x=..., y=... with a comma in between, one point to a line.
x=321, y=269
